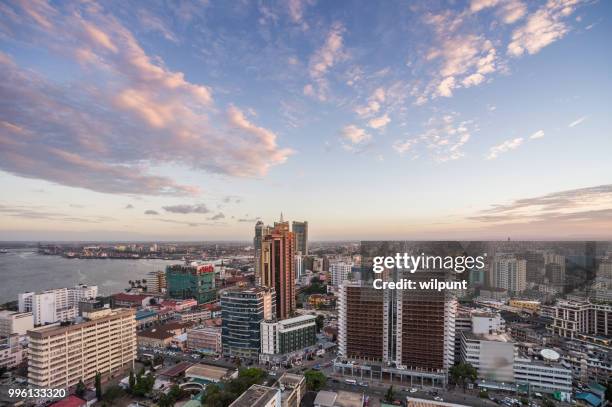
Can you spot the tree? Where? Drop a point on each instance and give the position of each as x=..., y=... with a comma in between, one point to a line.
x=80, y=388
x=547, y=403
x=462, y=373
x=113, y=393
x=389, y=395
x=320, y=321
x=158, y=360
x=98, y=381
x=132, y=381
x=315, y=380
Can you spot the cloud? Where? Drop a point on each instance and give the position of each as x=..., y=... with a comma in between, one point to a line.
x=128, y=111
x=509, y=11
x=405, y=146
x=185, y=209
x=378, y=96
x=153, y=23
x=463, y=59
x=296, y=11
x=186, y=223
x=218, y=216
x=231, y=199
x=379, y=122
x=443, y=139
x=537, y=134
x=542, y=28
x=574, y=205
x=355, y=135
x=29, y=212
x=249, y=220
x=324, y=58
x=129, y=206
x=577, y=121
x=151, y=212
x=504, y=147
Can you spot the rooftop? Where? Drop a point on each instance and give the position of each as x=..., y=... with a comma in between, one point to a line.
x=70, y=401
x=348, y=399
x=156, y=333
x=255, y=396
x=209, y=372
x=176, y=370
x=325, y=398
x=487, y=337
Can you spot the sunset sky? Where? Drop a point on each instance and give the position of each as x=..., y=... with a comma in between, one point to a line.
x=191, y=120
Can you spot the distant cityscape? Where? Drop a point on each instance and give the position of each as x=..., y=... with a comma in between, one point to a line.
x=534, y=326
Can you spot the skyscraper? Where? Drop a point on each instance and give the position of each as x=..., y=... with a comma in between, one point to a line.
x=59, y=356
x=196, y=282
x=260, y=231
x=510, y=273
x=277, y=267
x=242, y=311
x=300, y=233
x=413, y=329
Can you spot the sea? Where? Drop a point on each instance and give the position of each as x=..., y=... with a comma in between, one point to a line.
x=24, y=270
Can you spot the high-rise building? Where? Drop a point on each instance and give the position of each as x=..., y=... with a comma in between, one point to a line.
x=277, y=267
x=242, y=311
x=61, y=355
x=260, y=231
x=581, y=320
x=156, y=282
x=287, y=336
x=300, y=234
x=555, y=268
x=414, y=330
x=205, y=339
x=17, y=323
x=510, y=273
x=299, y=266
x=55, y=305
x=340, y=272
x=491, y=354
x=197, y=282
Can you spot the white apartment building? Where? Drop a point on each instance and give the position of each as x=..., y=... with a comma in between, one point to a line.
x=491, y=354
x=11, y=352
x=487, y=323
x=60, y=304
x=510, y=273
x=18, y=323
x=573, y=319
x=340, y=272
x=542, y=376
x=299, y=266
x=289, y=335
x=60, y=356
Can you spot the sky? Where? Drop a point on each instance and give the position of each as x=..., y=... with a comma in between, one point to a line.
x=177, y=120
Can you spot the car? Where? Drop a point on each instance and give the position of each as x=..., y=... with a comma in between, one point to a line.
x=414, y=390
x=438, y=398
x=363, y=384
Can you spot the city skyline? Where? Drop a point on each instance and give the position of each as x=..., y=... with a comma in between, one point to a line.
x=482, y=119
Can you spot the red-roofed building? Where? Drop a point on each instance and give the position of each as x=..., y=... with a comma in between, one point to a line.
x=70, y=401
x=124, y=300
x=179, y=305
